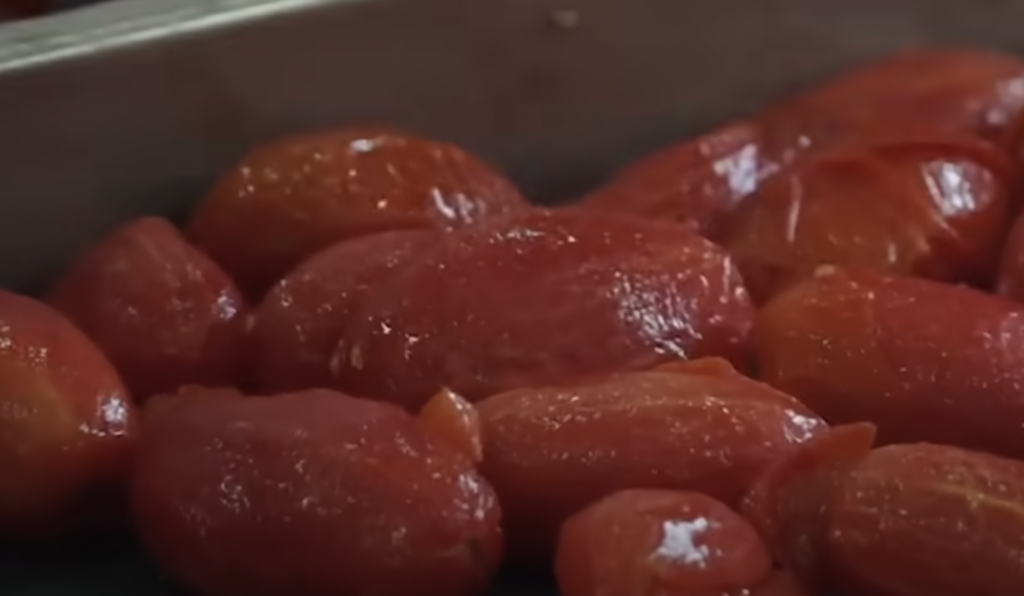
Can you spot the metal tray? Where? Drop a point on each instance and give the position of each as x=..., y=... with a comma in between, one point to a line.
x=131, y=107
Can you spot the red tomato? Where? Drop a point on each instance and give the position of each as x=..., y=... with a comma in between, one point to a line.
x=542, y=298
x=923, y=361
x=943, y=90
x=551, y=451
x=697, y=182
x=657, y=542
x=163, y=312
x=929, y=520
x=780, y=583
x=67, y=427
x=1011, y=269
x=299, y=322
x=931, y=207
x=785, y=503
x=450, y=416
x=289, y=199
x=311, y=493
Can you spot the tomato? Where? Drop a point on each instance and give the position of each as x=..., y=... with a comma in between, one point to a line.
x=931, y=207
x=311, y=493
x=944, y=90
x=288, y=199
x=542, y=298
x=450, y=416
x=697, y=182
x=67, y=426
x=923, y=361
x=780, y=583
x=163, y=312
x=656, y=542
x=929, y=520
x=299, y=322
x=786, y=502
x=550, y=451
x=1011, y=269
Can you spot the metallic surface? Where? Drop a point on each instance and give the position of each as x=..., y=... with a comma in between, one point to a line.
x=131, y=106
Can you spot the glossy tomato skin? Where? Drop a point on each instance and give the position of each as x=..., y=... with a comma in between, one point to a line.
x=930, y=206
x=550, y=451
x=543, y=298
x=698, y=182
x=1011, y=269
x=161, y=310
x=787, y=502
x=644, y=542
x=299, y=322
x=923, y=361
x=929, y=520
x=67, y=426
x=954, y=91
x=312, y=493
x=288, y=199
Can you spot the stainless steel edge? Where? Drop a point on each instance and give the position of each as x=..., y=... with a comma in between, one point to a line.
x=132, y=106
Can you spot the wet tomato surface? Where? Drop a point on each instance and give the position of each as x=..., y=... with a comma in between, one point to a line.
x=550, y=451
x=288, y=199
x=67, y=426
x=542, y=298
x=162, y=311
x=315, y=493
x=654, y=542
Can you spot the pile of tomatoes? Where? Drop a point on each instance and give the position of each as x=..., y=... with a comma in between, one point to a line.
x=785, y=358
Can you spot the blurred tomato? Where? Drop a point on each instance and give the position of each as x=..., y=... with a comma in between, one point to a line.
x=786, y=502
x=923, y=361
x=161, y=310
x=1011, y=269
x=67, y=426
x=958, y=91
x=697, y=182
x=311, y=493
x=551, y=451
x=934, y=207
x=657, y=542
x=929, y=520
x=299, y=322
x=542, y=298
x=288, y=199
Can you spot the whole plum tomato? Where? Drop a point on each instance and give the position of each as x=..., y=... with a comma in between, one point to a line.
x=288, y=199
x=542, y=298
x=656, y=542
x=67, y=426
x=160, y=309
x=697, y=182
x=956, y=91
x=313, y=493
x=299, y=322
x=785, y=503
x=930, y=207
x=1011, y=269
x=929, y=520
x=923, y=361
x=548, y=452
